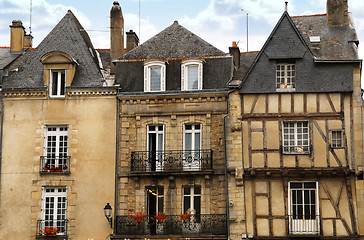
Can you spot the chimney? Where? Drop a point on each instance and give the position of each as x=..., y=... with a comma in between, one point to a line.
x=28, y=40
x=116, y=34
x=337, y=13
x=132, y=40
x=235, y=52
x=16, y=36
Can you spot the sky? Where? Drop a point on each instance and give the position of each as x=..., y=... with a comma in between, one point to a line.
x=219, y=22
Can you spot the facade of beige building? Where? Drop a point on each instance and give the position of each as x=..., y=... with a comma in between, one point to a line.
x=58, y=139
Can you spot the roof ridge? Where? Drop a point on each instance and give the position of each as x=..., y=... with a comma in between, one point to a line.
x=310, y=15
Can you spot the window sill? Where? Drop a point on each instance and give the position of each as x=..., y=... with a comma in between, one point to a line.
x=285, y=90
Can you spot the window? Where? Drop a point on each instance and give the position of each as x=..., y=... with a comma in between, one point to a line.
x=286, y=75
x=155, y=144
x=192, y=147
x=154, y=76
x=295, y=137
x=55, y=147
x=57, y=83
x=192, y=201
x=336, y=139
x=303, y=207
x=54, y=206
x=191, y=75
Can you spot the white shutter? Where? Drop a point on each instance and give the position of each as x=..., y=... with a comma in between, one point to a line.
x=163, y=78
x=183, y=77
x=146, y=82
x=200, y=73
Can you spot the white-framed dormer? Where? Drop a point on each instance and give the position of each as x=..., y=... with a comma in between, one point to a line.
x=154, y=76
x=59, y=69
x=191, y=75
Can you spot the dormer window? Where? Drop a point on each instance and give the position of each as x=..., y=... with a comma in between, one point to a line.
x=191, y=75
x=57, y=83
x=286, y=75
x=154, y=76
x=59, y=69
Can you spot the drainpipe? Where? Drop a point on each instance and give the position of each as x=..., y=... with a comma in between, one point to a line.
x=226, y=171
x=116, y=163
x=2, y=127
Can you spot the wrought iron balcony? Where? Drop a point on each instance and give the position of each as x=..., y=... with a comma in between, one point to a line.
x=298, y=225
x=171, y=161
x=59, y=165
x=201, y=225
x=47, y=227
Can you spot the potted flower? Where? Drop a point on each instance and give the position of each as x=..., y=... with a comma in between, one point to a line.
x=186, y=217
x=50, y=231
x=139, y=215
x=65, y=167
x=160, y=217
x=58, y=169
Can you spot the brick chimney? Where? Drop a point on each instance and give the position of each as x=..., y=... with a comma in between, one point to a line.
x=235, y=52
x=337, y=13
x=116, y=34
x=132, y=40
x=28, y=40
x=16, y=36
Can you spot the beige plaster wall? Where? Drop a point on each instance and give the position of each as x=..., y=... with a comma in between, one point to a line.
x=92, y=134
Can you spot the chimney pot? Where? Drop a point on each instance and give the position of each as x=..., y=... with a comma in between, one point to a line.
x=234, y=44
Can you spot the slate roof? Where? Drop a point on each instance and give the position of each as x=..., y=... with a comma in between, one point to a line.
x=336, y=43
x=246, y=60
x=67, y=36
x=6, y=57
x=173, y=42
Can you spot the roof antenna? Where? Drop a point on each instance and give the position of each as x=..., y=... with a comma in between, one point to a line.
x=139, y=19
x=30, y=17
x=286, y=7
x=247, y=29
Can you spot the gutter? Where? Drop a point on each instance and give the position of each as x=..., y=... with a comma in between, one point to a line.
x=116, y=164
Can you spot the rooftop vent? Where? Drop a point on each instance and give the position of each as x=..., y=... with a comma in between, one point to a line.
x=315, y=39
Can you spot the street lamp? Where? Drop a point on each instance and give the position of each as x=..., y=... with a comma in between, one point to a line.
x=107, y=212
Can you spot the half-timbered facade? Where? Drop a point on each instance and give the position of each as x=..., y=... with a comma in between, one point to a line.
x=296, y=114
x=171, y=175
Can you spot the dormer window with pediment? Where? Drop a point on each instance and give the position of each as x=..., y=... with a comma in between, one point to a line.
x=286, y=75
x=59, y=71
x=154, y=76
x=191, y=75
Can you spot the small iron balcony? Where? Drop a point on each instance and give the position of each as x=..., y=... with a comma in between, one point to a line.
x=56, y=228
x=201, y=225
x=59, y=165
x=171, y=161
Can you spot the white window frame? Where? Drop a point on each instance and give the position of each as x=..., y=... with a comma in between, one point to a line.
x=53, y=154
x=298, y=132
x=59, y=216
x=194, y=225
x=284, y=81
x=297, y=224
x=147, y=73
x=59, y=84
x=192, y=159
x=159, y=164
x=334, y=141
x=184, y=74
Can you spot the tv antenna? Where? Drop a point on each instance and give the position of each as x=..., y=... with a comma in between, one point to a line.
x=247, y=29
x=30, y=17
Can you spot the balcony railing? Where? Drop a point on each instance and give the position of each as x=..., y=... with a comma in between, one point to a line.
x=55, y=165
x=171, y=161
x=204, y=224
x=45, y=226
x=304, y=226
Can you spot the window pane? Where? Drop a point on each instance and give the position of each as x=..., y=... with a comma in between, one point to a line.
x=192, y=77
x=54, y=83
x=155, y=78
x=197, y=141
x=63, y=83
